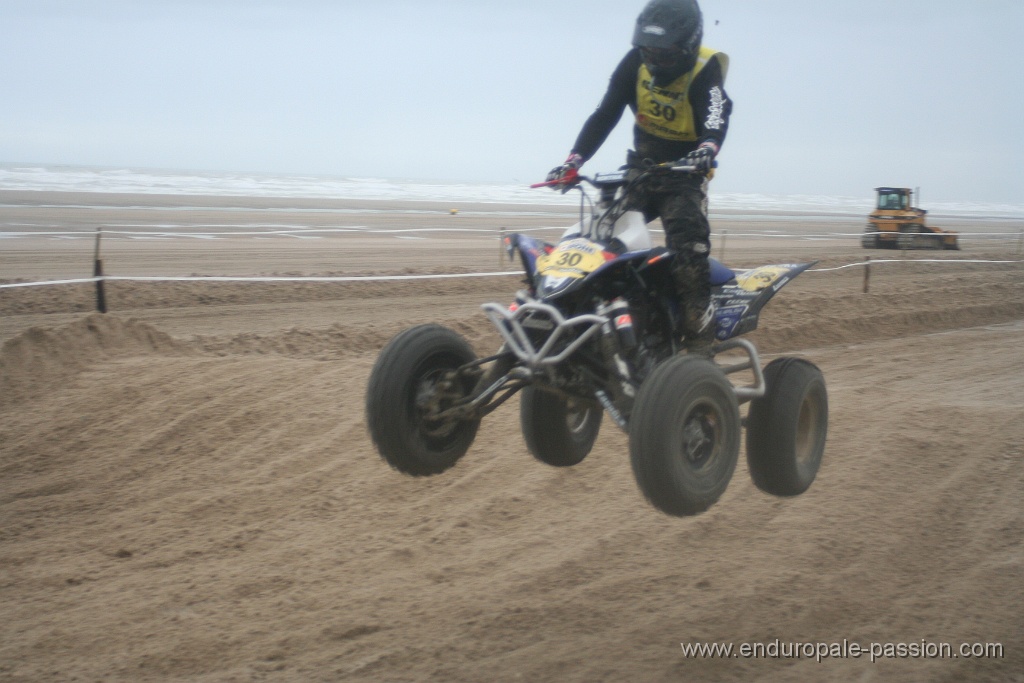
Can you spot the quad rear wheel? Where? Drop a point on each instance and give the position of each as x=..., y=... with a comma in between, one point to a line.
x=411, y=382
x=787, y=427
x=684, y=435
x=558, y=431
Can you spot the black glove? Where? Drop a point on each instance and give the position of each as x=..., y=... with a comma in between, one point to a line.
x=702, y=158
x=571, y=164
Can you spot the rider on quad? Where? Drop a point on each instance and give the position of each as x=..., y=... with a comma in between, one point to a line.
x=675, y=87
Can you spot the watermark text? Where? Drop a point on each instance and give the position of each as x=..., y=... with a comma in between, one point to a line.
x=820, y=651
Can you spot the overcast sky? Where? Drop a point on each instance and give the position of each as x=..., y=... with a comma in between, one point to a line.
x=831, y=97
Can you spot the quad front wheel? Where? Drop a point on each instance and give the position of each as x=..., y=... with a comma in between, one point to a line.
x=786, y=428
x=558, y=431
x=411, y=383
x=684, y=435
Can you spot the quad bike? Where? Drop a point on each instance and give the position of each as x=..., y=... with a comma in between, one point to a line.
x=596, y=331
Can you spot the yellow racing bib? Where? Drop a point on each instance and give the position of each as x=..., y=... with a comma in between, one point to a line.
x=666, y=112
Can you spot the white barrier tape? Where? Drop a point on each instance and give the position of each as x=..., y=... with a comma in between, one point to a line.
x=51, y=282
x=906, y=260
x=311, y=278
x=218, y=278
x=857, y=235
x=361, y=229
x=383, y=278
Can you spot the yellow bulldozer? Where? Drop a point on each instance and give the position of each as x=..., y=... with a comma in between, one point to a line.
x=897, y=224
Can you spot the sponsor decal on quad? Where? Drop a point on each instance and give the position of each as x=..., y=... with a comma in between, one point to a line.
x=727, y=319
x=575, y=258
x=579, y=244
x=737, y=300
x=759, y=278
x=554, y=282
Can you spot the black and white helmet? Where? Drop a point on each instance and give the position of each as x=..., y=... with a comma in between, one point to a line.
x=668, y=34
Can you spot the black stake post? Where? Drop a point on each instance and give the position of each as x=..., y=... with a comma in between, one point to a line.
x=97, y=272
x=867, y=273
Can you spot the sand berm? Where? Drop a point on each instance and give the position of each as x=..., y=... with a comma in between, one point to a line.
x=188, y=493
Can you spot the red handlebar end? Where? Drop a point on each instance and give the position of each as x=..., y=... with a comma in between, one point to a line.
x=568, y=179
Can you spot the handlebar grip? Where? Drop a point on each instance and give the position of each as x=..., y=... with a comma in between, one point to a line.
x=568, y=179
x=689, y=169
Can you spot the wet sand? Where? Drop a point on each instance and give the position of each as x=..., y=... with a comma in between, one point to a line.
x=188, y=492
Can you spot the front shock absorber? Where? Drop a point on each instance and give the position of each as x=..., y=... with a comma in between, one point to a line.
x=618, y=339
x=622, y=320
x=620, y=324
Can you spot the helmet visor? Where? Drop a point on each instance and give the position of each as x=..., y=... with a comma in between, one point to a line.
x=662, y=57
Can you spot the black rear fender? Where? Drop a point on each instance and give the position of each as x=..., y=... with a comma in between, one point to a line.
x=739, y=303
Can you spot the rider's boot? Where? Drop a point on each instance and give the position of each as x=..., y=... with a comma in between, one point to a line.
x=700, y=331
x=693, y=287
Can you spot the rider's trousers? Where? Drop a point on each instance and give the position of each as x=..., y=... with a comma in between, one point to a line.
x=681, y=201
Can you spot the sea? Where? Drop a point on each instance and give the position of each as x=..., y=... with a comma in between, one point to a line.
x=55, y=178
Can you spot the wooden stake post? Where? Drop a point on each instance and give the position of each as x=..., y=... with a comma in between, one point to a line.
x=97, y=272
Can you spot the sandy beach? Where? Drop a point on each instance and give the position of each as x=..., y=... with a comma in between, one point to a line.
x=188, y=491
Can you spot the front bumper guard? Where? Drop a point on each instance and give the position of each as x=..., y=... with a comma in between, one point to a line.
x=512, y=325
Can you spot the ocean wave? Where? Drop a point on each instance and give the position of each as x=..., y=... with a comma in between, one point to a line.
x=150, y=181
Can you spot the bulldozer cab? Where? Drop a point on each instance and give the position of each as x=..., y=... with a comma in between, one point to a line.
x=893, y=198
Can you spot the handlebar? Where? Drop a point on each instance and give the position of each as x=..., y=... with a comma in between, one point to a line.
x=570, y=178
x=573, y=177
